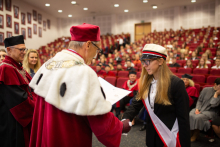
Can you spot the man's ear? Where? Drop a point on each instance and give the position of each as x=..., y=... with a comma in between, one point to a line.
x=8, y=49
x=88, y=44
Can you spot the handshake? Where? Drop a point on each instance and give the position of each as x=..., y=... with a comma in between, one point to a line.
x=126, y=125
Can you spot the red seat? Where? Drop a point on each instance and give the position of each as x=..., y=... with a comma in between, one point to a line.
x=211, y=79
x=197, y=87
x=115, y=72
x=178, y=75
x=123, y=73
x=111, y=80
x=215, y=72
x=200, y=71
x=120, y=82
x=185, y=70
x=173, y=69
x=198, y=78
x=207, y=86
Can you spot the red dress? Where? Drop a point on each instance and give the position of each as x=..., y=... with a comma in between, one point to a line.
x=55, y=128
x=192, y=91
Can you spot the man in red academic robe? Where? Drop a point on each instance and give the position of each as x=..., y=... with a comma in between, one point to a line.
x=108, y=71
x=70, y=103
x=130, y=85
x=16, y=98
x=99, y=70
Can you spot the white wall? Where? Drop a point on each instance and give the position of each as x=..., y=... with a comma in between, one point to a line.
x=35, y=42
x=193, y=16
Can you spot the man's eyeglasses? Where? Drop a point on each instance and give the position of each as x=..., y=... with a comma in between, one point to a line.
x=21, y=49
x=147, y=62
x=99, y=50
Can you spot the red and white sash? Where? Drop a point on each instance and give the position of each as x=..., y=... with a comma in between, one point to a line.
x=169, y=138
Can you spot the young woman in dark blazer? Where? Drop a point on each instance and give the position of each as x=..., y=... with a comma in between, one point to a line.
x=165, y=99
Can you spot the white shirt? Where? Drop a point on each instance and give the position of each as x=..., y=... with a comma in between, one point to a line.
x=215, y=67
x=153, y=92
x=201, y=67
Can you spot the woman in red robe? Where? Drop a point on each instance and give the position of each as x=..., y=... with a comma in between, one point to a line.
x=191, y=90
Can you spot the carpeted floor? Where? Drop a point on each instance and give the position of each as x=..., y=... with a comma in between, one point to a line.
x=136, y=138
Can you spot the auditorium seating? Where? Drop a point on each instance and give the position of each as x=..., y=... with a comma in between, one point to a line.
x=185, y=70
x=200, y=71
x=215, y=72
x=111, y=80
x=199, y=78
x=211, y=79
x=123, y=73
x=120, y=82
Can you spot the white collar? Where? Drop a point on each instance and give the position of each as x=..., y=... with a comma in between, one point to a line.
x=154, y=81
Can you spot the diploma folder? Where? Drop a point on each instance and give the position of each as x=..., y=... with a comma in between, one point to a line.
x=112, y=93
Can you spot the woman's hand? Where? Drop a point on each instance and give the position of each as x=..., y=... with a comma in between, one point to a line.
x=197, y=111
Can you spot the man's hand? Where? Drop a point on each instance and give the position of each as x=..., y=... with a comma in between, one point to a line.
x=126, y=125
x=217, y=93
x=197, y=111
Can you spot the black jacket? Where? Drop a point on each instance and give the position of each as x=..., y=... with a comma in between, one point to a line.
x=167, y=114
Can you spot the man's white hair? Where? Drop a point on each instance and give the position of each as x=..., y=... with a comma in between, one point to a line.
x=78, y=44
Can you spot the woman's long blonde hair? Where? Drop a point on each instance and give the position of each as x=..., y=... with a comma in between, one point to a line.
x=26, y=63
x=163, y=84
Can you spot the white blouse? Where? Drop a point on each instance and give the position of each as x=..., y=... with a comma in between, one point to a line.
x=153, y=92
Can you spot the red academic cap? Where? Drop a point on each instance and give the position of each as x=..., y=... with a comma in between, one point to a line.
x=85, y=32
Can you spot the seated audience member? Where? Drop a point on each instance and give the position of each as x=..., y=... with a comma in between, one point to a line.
x=2, y=54
x=174, y=64
x=111, y=61
x=111, y=66
x=31, y=62
x=216, y=126
x=93, y=62
x=188, y=64
x=130, y=85
x=99, y=70
x=191, y=90
x=102, y=62
x=202, y=64
x=119, y=68
x=217, y=64
x=209, y=53
x=217, y=54
x=168, y=61
x=175, y=53
x=129, y=66
x=194, y=56
x=137, y=60
x=117, y=58
x=108, y=71
x=205, y=57
x=206, y=109
x=132, y=64
x=182, y=56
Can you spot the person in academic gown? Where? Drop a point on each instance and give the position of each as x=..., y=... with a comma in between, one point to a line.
x=130, y=85
x=70, y=103
x=16, y=99
x=165, y=99
x=99, y=70
x=191, y=90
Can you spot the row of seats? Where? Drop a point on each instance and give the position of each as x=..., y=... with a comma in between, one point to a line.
x=118, y=82
x=195, y=71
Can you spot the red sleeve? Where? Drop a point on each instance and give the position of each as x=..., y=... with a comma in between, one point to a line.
x=107, y=128
x=125, y=85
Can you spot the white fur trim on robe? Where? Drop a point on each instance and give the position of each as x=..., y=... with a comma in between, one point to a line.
x=83, y=94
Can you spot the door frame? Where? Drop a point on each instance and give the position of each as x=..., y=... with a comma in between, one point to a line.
x=139, y=24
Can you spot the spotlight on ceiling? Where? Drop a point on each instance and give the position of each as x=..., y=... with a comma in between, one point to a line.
x=73, y=2
x=145, y=1
x=48, y=5
x=154, y=7
x=60, y=11
x=126, y=10
x=85, y=9
x=193, y=1
x=116, y=5
x=69, y=15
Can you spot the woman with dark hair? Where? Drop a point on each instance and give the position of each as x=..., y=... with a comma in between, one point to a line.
x=165, y=99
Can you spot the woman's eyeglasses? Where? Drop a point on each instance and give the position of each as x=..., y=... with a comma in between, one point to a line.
x=147, y=62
